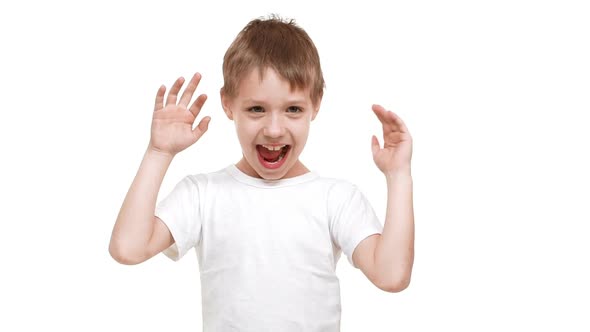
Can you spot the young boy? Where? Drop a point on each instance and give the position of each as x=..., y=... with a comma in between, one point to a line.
x=267, y=231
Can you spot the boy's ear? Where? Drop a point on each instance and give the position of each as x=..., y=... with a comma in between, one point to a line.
x=316, y=108
x=225, y=101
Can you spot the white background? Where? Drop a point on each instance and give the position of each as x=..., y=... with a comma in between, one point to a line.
x=496, y=96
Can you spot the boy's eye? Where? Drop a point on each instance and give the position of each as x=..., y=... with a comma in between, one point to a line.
x=294, y=109
x=256, y=109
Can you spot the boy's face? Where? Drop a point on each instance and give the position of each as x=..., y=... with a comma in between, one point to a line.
x=272, y=123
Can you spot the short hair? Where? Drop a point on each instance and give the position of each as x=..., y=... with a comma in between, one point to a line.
x=274, y=43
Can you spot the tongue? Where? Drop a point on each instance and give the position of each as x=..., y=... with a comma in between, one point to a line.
x=269, y=155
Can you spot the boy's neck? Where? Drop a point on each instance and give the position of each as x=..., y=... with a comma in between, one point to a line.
x=297, y=169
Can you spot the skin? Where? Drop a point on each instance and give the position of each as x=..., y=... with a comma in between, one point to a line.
x=387, y=259
x=138, y=235
x=266, y=111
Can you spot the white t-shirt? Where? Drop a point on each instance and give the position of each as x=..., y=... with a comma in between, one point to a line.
x=267, y=250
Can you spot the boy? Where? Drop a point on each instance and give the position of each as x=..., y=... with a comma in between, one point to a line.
x=267, y=231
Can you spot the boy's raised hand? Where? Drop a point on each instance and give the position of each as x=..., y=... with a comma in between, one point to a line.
x=396, y=153
x=172, y=122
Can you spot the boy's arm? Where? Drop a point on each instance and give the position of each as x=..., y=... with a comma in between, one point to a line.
x=138, y=235
x=387, y=259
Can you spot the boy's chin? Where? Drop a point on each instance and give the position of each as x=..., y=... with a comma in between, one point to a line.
x=272, y=174
x=258, y=170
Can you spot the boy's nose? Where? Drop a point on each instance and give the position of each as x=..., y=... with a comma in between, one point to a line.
x=274, y=127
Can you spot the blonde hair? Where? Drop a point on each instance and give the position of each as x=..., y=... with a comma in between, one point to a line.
x=278, y=44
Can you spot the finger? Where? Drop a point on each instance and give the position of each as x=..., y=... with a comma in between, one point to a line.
x=384, y=116
x=375, y=145
x=399, y=122
x=160, y=98
x=388, y=123
x=201, y=128
x=380, y=112
x=171, y=100
x=190, y=89
x=198, y=104
x=389, y=120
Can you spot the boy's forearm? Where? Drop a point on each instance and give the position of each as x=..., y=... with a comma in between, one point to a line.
x=394, y=254
x=134, y=225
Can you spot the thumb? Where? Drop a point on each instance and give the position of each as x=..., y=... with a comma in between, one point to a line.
x=201, y=128
x=375, y=145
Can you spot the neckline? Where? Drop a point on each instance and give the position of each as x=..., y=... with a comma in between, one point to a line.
x=240, y=176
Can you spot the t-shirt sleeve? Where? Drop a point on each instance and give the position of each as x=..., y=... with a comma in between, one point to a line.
x=352, y=218
x=181, y=213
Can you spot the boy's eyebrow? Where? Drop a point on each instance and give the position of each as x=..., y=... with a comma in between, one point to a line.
x=289, y=101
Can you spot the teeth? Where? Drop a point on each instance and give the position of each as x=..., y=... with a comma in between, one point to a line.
x=273, y=148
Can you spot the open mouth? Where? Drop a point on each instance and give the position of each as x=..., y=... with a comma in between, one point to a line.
x=272, y=156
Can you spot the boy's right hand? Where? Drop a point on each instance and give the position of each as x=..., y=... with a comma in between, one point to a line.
x=172, y=123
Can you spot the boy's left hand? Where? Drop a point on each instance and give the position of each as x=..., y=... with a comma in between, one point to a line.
x=396, y=154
